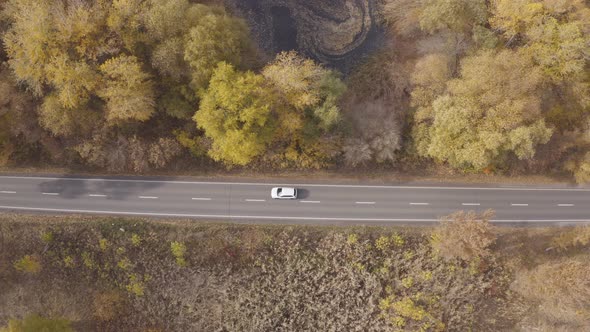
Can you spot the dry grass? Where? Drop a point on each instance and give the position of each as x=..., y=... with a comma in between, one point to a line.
x=113, y=274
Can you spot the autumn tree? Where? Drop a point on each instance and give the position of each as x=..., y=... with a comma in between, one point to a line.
x=127, y=89
x=236, y=112
x=429, y=77
x=580, y=168
x=52, y=49
x=376, y=107
x=74, y=82
x=554, y=33
x=29, y=42
x=492, y=110
x=216, y=37
x=409, y=16
x=310, y=110
x=453, y=15
x=379, y=137
x=464, y=235
x=66, y=122
x=124, y=20
x=16, y=118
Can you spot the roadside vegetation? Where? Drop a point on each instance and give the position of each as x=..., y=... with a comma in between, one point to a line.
x=494, y=87
x=110, y=274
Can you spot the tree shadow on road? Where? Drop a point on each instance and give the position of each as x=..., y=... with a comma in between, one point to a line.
x=119, y=190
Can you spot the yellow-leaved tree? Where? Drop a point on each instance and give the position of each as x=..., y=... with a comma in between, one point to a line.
x=310, y=94
x=127, y=89
x=491, y=111
x=236, y=113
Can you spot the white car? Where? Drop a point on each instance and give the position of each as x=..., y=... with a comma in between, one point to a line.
x=283, y=193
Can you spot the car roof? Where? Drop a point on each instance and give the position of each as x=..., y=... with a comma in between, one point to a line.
x=286, y=191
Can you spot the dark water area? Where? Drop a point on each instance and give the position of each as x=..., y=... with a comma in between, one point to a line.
x=284, y=29
x=276, y=28
x=376, y=38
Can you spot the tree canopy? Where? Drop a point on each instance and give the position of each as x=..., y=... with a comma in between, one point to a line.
x=236, y=112
x=492, y=109
x=128, y=91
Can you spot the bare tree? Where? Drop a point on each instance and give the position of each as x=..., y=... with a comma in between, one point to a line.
x=464, y=235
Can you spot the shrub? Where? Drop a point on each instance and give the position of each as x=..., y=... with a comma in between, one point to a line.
x=124, y=263
x=103, y=244
x=578, y=236
x=178, y=250
x=47, y=237
x=87, y=260
x=407, y=314
x=135, y=285
x=464, y=235
x=107, y=305
x=28, y=264
x=135, y=240
x=561, y=289
x=69, y=261
x=33, y=323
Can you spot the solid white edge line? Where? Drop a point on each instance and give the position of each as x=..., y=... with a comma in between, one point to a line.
x=50, y=194
x=97, y=195
x=518, y=204
x=148, y=197
x=419, y=203
x=265, y=217
x=200, y=199
x=7, y=192
x=297, y=185
x=313, y=202
x=365, y=203
x=568, y=205
x=255, y=200
x=470, y=204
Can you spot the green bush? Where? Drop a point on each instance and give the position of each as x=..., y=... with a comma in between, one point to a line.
x=28, y=264
x=135, y=240
x=178, y=250
x=36, y=323
x=47, y=237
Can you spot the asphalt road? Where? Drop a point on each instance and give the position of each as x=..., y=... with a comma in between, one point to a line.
x=317, y=202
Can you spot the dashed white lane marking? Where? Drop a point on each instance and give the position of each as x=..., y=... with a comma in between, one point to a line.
x=519, y=204
x=97, y=195
x=255, y=200
x=565, y=205
x=419, y=203
x=365, y=203
x=7, y=192
x=470, y=204
x=313, y=202
x=148, y=197
x=51, y=194
x=201, y=199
